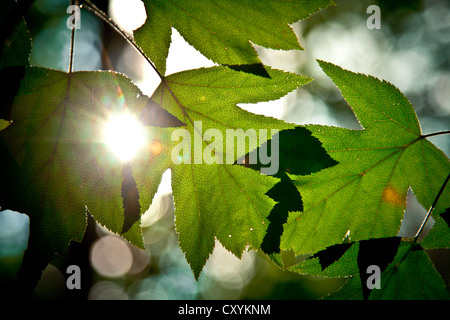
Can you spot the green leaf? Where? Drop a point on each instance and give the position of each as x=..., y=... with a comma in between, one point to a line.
x=226, y=202
x=58, y=166
x=299, y=153
x=377, y=252
x=15, y=39
x=364, y=196
x=210, y=95
x=331, y=254
x=337, y=261
x=4, y=124
x=222, y=30
x=406, y=271
x=220, y=200
x=15, y=48
x=410, y=276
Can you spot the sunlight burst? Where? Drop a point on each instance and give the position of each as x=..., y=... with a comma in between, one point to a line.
x=124, y=135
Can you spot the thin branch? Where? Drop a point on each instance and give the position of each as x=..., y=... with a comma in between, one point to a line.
x=103, y=16
x=72, y=49
x=416, y=237
x=435, y=134
x=72, y=41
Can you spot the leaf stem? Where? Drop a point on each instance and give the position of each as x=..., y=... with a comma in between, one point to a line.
x=72, y=41
x=103, y=16
x=416, y=237
x=435, y=134
x=72, y=45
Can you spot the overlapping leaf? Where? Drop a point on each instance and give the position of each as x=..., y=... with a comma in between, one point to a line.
x=364, y=196
x=58, y=165
x=220, y=200
x=222, y=30
x=406, y=271
x=58, y=168
x=410, y=275
x=299, y=153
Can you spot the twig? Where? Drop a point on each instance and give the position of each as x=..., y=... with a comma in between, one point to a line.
x=416, y=237
x=99, y=13
x=435, y=134
x=72, y=41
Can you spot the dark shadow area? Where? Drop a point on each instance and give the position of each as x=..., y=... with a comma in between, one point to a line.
x=256, y=69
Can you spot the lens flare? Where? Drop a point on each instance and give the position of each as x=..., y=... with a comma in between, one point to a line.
x=124, y=135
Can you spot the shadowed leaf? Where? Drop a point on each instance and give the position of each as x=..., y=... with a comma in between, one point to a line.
x=153, y=115
x=15, y=41
x=409, y=274
x=298, y=153
x=331, y=254
x=378, y=252
x=288, y=199
x=256, y=69
x=446, y=216
x=130, y=196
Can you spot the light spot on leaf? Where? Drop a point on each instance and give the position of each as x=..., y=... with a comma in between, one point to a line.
x=391, y=196
x=156, y=147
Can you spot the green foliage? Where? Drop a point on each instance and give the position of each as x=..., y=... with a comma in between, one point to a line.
x=364, y=196
x=63, y=169
x=222, y=31
x=336, y=202
x=410, y=275
x=15, y=38
x=232, y=207
x=407, y=272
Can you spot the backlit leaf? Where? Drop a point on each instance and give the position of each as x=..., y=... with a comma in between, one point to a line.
x=410, y=276
x=59, y=165
x=223, y=30
x=220, y=199
x=364, y=196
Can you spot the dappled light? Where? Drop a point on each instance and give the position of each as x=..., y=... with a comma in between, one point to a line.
x=410, y=51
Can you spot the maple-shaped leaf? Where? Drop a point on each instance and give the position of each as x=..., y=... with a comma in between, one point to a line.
x=379, y=268
x=223, y=30
x=407, y=273
x=56, y=164
x=364, y=196
x=214, y=198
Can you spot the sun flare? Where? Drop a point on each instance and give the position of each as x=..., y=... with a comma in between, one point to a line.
x=124, y=135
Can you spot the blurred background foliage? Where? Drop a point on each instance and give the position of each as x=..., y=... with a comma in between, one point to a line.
x=411, y=50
